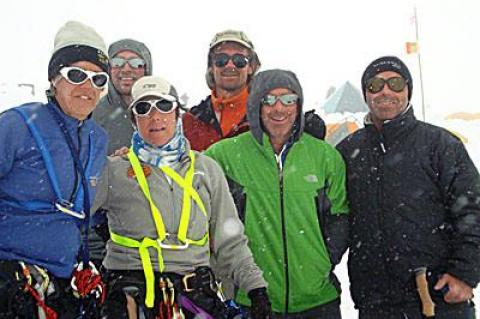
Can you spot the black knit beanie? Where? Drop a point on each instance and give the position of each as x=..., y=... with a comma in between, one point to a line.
x=387, y=63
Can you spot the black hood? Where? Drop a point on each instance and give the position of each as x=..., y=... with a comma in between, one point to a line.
x=262, y=84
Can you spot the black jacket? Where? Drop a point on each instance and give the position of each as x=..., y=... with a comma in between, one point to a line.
x=414, y=198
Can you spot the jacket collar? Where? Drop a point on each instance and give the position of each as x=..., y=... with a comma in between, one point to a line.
x=238, y=101
x=71, y=122
x=394, y=130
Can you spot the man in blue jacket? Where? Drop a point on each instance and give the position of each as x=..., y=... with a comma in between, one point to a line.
x=51, y=157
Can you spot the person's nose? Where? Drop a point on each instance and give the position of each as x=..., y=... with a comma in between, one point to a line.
x=127, y=66
x=230, y=63
x=155, y=114
x=87, y=84
x=278, y=106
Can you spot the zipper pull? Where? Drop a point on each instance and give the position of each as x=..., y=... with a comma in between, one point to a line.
x=384, y=150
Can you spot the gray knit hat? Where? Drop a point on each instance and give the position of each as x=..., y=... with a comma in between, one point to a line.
x=75, y=42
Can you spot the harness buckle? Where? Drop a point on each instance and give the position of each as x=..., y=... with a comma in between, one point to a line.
x=185, y=281
x=67, y=207
x=183, y=246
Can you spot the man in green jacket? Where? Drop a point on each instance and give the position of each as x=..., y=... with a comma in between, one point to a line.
x=289, y=189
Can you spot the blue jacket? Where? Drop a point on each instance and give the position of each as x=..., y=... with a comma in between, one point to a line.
x=45, y=237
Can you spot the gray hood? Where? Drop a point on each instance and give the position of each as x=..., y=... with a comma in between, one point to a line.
x=131, y=45
x=134, y=46
x=263, y=83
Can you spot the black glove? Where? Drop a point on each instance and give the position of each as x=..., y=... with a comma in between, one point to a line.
x=314, y=125
x=261, y=306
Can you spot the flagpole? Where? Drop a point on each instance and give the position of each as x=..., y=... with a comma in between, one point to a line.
x=419, y=64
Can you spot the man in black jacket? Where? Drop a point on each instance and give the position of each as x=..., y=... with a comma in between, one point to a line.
x=414, y=197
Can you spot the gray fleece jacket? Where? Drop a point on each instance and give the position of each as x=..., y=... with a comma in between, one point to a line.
x=128, y=213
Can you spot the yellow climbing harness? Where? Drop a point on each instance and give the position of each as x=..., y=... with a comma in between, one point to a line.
x=188, y=193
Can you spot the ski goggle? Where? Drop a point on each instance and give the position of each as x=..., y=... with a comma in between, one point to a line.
x=135, y=63
x=221, y=59
x=285, y=99
x=143, y=108
x=77, y=76
x=396, y=84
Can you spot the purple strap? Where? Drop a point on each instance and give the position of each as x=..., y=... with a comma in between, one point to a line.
x=193, y=308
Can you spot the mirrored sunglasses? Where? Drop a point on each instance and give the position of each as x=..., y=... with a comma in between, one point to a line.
x=285, y=99
x=144, y=107
x=135, y=63
x=221, y=59
x=396, y=84
x=77, y=76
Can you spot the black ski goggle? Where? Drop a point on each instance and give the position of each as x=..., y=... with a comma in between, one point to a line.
x=135, y=63
x=285, y=99
x=144, y=107
x=396, y=84
x=221, y=59
x=77, y=76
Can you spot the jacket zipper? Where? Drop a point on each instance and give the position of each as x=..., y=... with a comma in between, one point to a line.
x=285, y=248
x=75, y=185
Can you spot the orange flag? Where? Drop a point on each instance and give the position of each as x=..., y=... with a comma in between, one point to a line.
x=412, y=47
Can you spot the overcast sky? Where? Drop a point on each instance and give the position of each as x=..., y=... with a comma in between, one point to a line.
x=325, y=42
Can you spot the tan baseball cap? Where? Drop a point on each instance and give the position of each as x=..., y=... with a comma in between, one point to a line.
x=231, y=36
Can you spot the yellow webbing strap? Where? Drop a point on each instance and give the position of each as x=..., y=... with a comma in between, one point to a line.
x=188, y=192
x=146, y=262
x=142, y=182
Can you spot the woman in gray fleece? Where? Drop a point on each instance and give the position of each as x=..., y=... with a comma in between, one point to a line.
x=169, y=208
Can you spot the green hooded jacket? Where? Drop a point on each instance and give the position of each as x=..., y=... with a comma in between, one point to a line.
x=287, y=211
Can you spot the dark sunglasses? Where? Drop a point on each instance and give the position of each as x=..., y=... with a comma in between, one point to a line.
x=221, y=59
x=143, y=108
x=77, y=76
x=285, y=99
x=135, y=63
x=396, y=84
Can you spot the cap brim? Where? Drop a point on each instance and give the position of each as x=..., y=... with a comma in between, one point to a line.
x=167, y=97
x=231, y=39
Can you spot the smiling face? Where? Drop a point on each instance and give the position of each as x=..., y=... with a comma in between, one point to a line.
x=125, y=76
x=278, y=119
x=156, y=128
x=77, y=100
x=229, y=79
x=386, y=104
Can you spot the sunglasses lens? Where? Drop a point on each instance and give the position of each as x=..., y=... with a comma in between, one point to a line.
x=142, y=107
x=117, y=62
x=240, y=61
x=166, y=106
x=396, y=84
x=375, y=85
x=288, y=99
x=269, y=100
x=76, y=76
x=100, y=80
x=220, y=60
x=136, y=63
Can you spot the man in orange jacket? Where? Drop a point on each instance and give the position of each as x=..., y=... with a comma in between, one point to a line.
x=232, y=61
